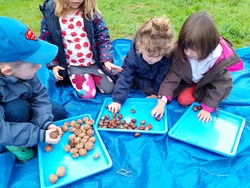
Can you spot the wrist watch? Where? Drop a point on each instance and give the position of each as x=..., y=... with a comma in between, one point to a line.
x=162, y=97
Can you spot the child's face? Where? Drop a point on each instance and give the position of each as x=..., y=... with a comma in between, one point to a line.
x=74, y=4
x=192, y=54
x=151, y=58
x=25, y=71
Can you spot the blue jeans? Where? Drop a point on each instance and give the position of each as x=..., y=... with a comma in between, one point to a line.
x=19, y=111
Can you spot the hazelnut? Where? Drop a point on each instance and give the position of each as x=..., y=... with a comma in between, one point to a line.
x=158, y=118
x=137, y=135
x=97, y=155
x=132, y=111
x=48, y=147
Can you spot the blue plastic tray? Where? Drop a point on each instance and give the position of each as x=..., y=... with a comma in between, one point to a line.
x=76, y=168
x=221, y=135
x=143, y=108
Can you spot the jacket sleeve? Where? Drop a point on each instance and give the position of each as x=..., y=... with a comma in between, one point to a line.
x=125, y=80
x=162, y=71
x=102, y=39
x=41, y=107
x=46, y=36
x=170, y=82
x=218, y=89
x=19, y=134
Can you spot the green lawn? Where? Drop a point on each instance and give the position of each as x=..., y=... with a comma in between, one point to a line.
x=124, y=17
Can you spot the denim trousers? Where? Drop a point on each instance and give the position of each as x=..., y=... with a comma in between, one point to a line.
x=19, y=111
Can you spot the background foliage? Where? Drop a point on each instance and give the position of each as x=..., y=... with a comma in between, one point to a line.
x=123, y=17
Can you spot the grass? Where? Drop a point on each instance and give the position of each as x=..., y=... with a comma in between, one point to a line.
x=124, y=17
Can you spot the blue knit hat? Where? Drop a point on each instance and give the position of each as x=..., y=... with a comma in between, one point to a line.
x=19, y=43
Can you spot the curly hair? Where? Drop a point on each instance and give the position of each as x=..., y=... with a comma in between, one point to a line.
x=89, y=8
x=155, y=36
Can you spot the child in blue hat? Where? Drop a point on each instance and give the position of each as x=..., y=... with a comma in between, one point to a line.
x=26, y=116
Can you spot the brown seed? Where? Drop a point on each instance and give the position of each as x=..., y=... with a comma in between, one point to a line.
x=48, y=147
x=120, y=116
x=54, y=134
x=158, y=118
x=195, y=108
x=143, y=122
x=133, y=120
x=137, y=135
x=132, y=111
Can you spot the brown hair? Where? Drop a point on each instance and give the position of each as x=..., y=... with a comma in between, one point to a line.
x=198, y=33
x=155, y=36
x=89, y=8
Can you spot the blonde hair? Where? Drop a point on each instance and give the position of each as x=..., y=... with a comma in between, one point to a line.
x=155, y=36
x=89, y=8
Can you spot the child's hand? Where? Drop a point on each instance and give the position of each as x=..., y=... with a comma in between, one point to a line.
x=50, y=140
x=152, y=96
x=158, y=111
x=56, y=72
x=204, y=116
x=114, y=107
x=53, y=126
x=111, y=66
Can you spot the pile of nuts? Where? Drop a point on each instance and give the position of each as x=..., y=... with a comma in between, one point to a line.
x=81, y=140
x=116, y=122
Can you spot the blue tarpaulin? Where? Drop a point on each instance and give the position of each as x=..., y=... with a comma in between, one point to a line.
x=154, y=160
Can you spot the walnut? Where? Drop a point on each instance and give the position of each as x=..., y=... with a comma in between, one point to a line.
x=82, y=152
x=75, y=155
x=54, y=134
x=89, y=146
x=67, y=148
x=60, y=172
x=90, y=132
x=92, y=139
x=73, y=150
x=73, y=123
x=64, y=128
x=53, y=178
